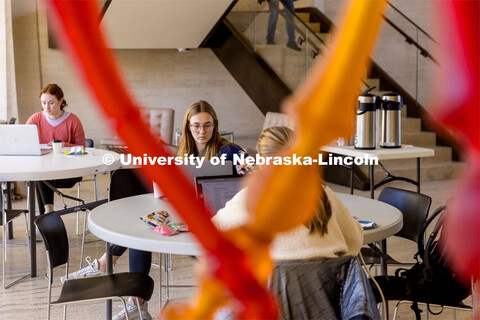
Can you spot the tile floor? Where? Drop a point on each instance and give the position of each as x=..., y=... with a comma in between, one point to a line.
x=27, y=300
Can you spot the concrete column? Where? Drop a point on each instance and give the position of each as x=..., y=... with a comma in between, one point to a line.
x=8, y=99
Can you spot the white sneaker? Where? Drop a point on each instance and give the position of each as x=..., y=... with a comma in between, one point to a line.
x=90, y=271
x=133, y=311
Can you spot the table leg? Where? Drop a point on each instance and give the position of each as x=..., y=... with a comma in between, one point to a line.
x=372, y=185
x=33, y=239
x=418, y=175
x=352, y=170
x=383, y=262
x=383, y=267
x=108, y=303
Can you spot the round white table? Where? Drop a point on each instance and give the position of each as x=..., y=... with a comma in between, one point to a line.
x=119, y=222
x=50, y=167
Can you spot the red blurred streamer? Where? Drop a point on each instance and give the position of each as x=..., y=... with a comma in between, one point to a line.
x=76, y=24
x=457, y=106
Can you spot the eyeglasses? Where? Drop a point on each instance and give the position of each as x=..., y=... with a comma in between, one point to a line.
x=206, y=127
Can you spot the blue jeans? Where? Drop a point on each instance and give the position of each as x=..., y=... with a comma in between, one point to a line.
x=272, y=19
x=140, y=261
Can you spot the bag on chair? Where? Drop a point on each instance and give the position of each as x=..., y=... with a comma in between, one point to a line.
x=431, y=280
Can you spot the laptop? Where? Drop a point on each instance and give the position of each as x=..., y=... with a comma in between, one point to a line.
x=209, y=169
x=214, y=192
x=20, y=140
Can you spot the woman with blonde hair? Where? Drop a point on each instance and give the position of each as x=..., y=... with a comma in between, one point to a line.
x=331, y=233
x=316, y=273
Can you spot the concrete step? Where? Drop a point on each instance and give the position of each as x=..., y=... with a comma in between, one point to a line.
x=419, y=139
x=314, y=26
x=428, y=171
x=304, y=16
x=411, y=125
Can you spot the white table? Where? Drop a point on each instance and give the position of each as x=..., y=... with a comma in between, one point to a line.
x=119, y=222
x=50, y=167
x=405, y=152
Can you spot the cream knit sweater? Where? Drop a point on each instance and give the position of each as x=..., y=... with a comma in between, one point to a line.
x=344, y=237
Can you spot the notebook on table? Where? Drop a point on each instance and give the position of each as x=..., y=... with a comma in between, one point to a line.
x=20, y=140
x=214, y=192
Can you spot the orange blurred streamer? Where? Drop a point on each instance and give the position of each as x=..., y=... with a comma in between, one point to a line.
x=238, y=261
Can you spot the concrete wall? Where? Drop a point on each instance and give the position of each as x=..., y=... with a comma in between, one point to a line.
x=157, y=78
x=393, y=54
x=8, y=99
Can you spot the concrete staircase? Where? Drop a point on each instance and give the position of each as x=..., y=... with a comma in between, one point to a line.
x=292, y=67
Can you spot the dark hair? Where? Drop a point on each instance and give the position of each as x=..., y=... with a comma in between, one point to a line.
x=56, y=91
x=272, y=140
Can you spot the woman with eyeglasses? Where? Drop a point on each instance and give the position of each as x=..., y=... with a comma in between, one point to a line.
x=200, y=136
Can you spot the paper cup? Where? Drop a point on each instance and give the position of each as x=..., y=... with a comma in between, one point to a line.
x=156, y=191
x=57, y=146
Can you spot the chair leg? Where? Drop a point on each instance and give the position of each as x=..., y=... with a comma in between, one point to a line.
x=78, y=196
x=472, y=287
x=95, y=183
x=49, y=295
x=160, y=277
x=4, y=244
x=167, y=276
x=138, y=308
x=64, y=312
x=125, y=307
x=83, y=237
x=4, y=258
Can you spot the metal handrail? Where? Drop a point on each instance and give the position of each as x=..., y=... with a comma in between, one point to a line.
x=410, y=40
x=410, y=20
x=424, y=52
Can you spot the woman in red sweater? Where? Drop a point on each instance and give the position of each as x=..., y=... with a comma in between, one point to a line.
x=54, y=123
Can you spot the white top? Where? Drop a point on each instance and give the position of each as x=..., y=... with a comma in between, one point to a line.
x=119, y=222
x=405, y=152
x=344, y=235
x=56, y=122
x=56, y=166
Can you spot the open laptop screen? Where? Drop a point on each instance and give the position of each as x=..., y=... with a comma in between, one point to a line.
x=216, y=191
x=19, y=140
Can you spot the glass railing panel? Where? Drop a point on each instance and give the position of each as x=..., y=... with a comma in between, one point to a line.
x=243, y=17
x=252, y=20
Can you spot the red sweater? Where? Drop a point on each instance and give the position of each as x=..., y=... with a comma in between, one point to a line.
x=70, y=130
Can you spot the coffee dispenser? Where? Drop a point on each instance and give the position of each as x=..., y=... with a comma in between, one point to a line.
x=366, y=109
x=391, y=120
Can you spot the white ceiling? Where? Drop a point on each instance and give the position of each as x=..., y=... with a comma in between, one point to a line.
x=161, y=24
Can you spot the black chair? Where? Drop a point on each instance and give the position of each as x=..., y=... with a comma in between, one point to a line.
x=428, y=292
x=8, y=215
x=106, y=287
x=414, y=207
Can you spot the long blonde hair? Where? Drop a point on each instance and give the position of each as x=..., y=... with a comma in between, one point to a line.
x=187, y=143
x=272, y=140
